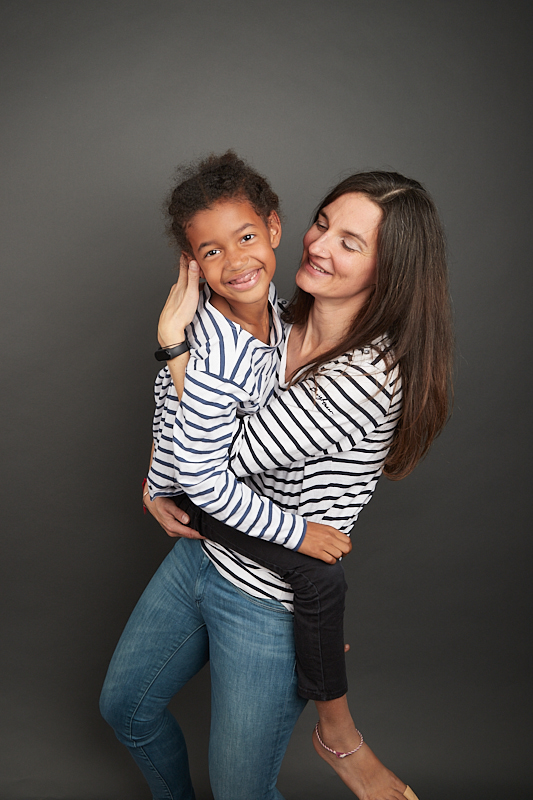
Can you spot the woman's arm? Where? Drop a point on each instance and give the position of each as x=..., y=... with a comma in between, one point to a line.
x=205, y=424
x=307, y=420
x=171, y=518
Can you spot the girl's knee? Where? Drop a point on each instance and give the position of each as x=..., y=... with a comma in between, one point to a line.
x=330, y=579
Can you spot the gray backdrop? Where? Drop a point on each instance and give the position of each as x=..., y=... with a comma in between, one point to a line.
x=101, y=101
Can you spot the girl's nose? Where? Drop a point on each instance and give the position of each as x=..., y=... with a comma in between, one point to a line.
x=235, y=258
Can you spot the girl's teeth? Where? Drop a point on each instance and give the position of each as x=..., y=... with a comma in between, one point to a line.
x=246, y=278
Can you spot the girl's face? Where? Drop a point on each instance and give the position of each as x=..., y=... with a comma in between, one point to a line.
x=340, y=251
x=234, y=248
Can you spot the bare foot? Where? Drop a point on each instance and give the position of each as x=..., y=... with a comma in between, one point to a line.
x=362, y=772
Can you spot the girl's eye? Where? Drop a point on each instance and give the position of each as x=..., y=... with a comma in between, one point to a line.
x=211, y=253
x=248, y=237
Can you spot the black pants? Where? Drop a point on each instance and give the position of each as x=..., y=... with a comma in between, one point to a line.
x=319, y=590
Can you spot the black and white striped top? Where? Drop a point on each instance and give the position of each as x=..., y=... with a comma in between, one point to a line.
x=228, y=370
x=315, y=451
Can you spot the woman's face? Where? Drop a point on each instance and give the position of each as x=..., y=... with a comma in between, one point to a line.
x=340, y=251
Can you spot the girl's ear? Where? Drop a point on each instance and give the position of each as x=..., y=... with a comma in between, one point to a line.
x=189, y=257
x=274, y=229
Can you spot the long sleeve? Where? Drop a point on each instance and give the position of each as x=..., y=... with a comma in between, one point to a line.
x=229, y=370
x=352, y=401
x=206, y=423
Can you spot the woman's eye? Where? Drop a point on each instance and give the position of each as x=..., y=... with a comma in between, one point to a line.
x=320, y=225
x=347, y=247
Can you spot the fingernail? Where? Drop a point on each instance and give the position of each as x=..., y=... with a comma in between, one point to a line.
x=194, y=266
x=185, y=519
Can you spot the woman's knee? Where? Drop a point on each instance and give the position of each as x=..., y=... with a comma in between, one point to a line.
x=113, y=705
x=135, y=723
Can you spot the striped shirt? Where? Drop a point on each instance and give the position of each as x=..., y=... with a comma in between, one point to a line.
x=228, y=369
x=316, y=451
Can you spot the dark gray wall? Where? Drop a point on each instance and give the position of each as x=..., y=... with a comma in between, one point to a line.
x=101, y=100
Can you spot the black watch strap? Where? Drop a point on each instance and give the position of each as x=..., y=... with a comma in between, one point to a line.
x=168, y=353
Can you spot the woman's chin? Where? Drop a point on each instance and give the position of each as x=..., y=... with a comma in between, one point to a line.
x=304, y=281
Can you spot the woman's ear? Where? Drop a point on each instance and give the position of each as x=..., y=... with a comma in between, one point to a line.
x=274, y=229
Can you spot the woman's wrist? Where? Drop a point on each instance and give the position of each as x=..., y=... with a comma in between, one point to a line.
x=146, y=494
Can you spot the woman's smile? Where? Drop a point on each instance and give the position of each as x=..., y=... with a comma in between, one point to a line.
x=310, y=265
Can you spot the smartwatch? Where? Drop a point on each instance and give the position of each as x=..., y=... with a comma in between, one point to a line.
x=167, y=353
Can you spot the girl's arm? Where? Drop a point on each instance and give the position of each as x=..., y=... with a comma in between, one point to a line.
x=205, y=425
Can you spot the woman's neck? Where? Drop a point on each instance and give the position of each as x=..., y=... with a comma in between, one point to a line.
x=324, y=329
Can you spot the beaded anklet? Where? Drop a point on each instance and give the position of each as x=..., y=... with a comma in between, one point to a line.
x=338, y=753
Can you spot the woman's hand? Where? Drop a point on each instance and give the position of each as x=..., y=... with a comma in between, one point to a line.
x=181, y=304
x=171, y=518
x=324, y=542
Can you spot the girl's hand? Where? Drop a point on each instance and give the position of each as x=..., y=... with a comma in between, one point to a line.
x=181, y=304
x=324, y=542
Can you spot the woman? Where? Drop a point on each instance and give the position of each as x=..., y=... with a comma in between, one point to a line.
x=372, y=278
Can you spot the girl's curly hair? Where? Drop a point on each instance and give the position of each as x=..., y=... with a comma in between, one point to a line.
x=215, y=178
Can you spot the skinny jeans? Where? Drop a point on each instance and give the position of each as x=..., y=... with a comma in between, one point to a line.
x=187, y=615
x=319, y=592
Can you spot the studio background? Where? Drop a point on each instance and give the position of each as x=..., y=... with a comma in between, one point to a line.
x=101, y=101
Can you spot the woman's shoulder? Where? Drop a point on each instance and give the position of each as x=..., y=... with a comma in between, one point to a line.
x=371, y=359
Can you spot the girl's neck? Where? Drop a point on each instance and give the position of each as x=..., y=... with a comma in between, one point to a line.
x=252, y=317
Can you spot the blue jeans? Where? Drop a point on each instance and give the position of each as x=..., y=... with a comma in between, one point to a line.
x=319, y=590
x=190, y=614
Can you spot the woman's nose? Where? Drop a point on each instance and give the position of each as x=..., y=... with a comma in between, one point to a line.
x=319, y=246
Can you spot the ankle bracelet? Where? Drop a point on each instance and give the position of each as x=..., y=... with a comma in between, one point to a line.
x=338, y=753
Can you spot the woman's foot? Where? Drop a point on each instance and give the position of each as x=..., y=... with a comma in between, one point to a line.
x=361, y=771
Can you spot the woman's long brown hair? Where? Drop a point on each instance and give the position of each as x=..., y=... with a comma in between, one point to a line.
x=410, y=306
